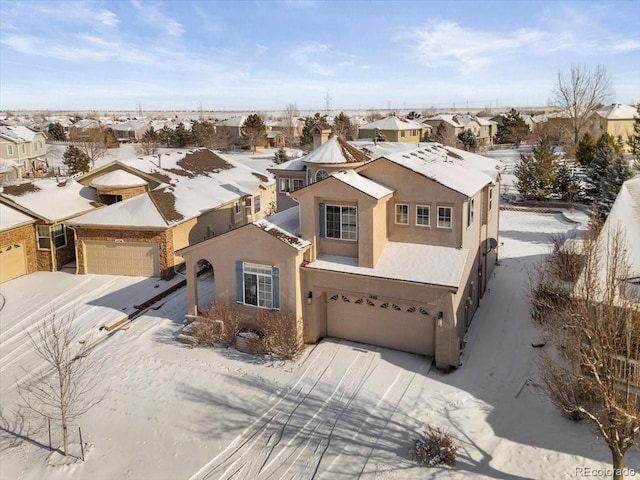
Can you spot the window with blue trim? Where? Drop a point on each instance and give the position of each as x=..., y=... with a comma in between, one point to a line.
x=258, y=285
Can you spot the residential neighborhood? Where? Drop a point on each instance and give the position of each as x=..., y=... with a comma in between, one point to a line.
x=319, y=240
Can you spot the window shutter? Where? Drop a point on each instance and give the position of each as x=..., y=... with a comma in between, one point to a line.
x=275, y=287
x=323, y=214
x=239, y=282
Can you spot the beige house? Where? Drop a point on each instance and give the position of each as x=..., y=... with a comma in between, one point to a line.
x=333, y=155
x=392, y=129
x=130, y=131
x=617, y=120
x=396, y=253
x=17, y=243
x=51, y=203
x=158, y=204
x=24, y=150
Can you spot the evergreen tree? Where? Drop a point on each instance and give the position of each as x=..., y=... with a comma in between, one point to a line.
x=165, y=135
x=469, y=140
x=566, y=185
x=148, y=144
x=343, y=128
x=254, y=131
x=605, y=154
x=610, y=183
x=306, y=138
x=536, y=172
x=513, y=129
x=634, y=139
x=56, y=132
x=110, y=138
x=412, y=115
x=280, y=156
x=440, y=135
x=586, y=151
x=76, y=160
x=203, y=134
x=181, y=137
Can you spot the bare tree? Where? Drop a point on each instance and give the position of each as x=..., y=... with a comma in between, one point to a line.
x=593, y=372
x=93, y=144
x=290, y=119
x=580, y=93
x=65, y=389
x=148, y=144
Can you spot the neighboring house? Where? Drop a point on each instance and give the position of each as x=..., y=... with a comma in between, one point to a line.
x=333, y=155
x=454, y=125
x=24, y=147
x=130, y=131
x=84, y=129
x=617, y=120
x=396, y=252
x=159, y=204
x=51, y=203
x=487, y=130
x=276, y=139
x=392, y=129
x=234, y=126
x=291, y=129
x=450, y=126
x=17, y=243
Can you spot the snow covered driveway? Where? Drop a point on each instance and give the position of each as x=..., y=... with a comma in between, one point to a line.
x=336, y=421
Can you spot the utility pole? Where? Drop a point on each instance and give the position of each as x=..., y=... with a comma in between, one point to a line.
x=327, y=102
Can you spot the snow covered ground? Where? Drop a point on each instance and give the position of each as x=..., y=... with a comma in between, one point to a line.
x=343, y=410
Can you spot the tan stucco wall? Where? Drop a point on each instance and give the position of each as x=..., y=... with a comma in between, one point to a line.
x=246, y=244
x=163, y=238
x=26, y=234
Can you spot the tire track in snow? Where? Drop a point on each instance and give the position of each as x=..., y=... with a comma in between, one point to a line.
x=307, y=380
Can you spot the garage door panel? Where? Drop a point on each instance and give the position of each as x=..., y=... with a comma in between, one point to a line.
x=389, y=325
x=13, y=261
x=127, y=258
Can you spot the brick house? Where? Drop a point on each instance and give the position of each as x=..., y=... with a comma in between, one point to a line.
x=17, y=243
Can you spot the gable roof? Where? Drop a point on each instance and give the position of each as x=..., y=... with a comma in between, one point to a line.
x=11, y=218
x=363, y=184
x=462, y=171
x=17, y=134
x=139, y=211
x=51, y=201
x=235, y=121
x=392, y=123
x=335, y=151
x=285, y=226
x=195, y=181
x=618, y=111
x=118, y=179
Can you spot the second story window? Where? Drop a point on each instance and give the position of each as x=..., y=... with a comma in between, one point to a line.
x=237, y=208
x=9, y=149
x=341, y=222
x=291, y=184
x=490, y=198
x=321, y=175
x=444, y=217
x=402, y=214
x=256, y=204
x=470, y=212
x=23, y=148
x=423, y=215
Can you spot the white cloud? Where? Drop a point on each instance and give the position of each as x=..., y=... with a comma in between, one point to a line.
x=150, y=13
x=306, y=56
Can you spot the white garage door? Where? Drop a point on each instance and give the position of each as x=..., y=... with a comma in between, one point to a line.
x=128, y=258
x=385, y=324
x=13, y=261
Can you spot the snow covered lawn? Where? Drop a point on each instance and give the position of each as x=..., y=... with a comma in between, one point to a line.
x=342, y=411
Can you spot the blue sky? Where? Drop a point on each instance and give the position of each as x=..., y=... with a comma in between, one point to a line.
x=265, y=54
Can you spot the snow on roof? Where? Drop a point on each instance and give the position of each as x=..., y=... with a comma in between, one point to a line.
x=450, y=119
x=381, y=149
x=462, y=171
x=139, y=211
x=618, y=111
x=363, y=184
x=392, y=123
x=196, y=181
x=6, y=164
x=131, y=125
x=295, y=164
x=408, y=262
x=52, y=201
x=118, y=179
x=10, y=217
x=88, y=122
x=625, y=214
x=285, y=226
x=17, y=134
x=335, y=151
x=235, y=121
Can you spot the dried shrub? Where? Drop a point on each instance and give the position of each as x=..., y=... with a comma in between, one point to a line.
x=280, y=336
x=436, y=447
x=219, y=324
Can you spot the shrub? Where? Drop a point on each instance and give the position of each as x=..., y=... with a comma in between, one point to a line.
x=435, y=448
x=218, y=325
x=280, y=335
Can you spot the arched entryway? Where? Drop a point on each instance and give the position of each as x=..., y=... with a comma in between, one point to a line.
x=205, y=286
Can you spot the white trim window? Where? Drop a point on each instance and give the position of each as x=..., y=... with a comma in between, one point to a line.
x=257, y=285
x=256, y=204
x=237, y=208
x=445, y=215
x=490, y=198
x=402, y=214
x=321, y=175
x=341, y=222
x=423, y=215
x=471, y=211
x=23, y=148
x=44, y=237
x=290, y=184
x=59, y=236
x=9, y=149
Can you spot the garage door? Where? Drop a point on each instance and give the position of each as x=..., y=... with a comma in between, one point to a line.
x=128, y=258
x=13, y=261
x=386, y=324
